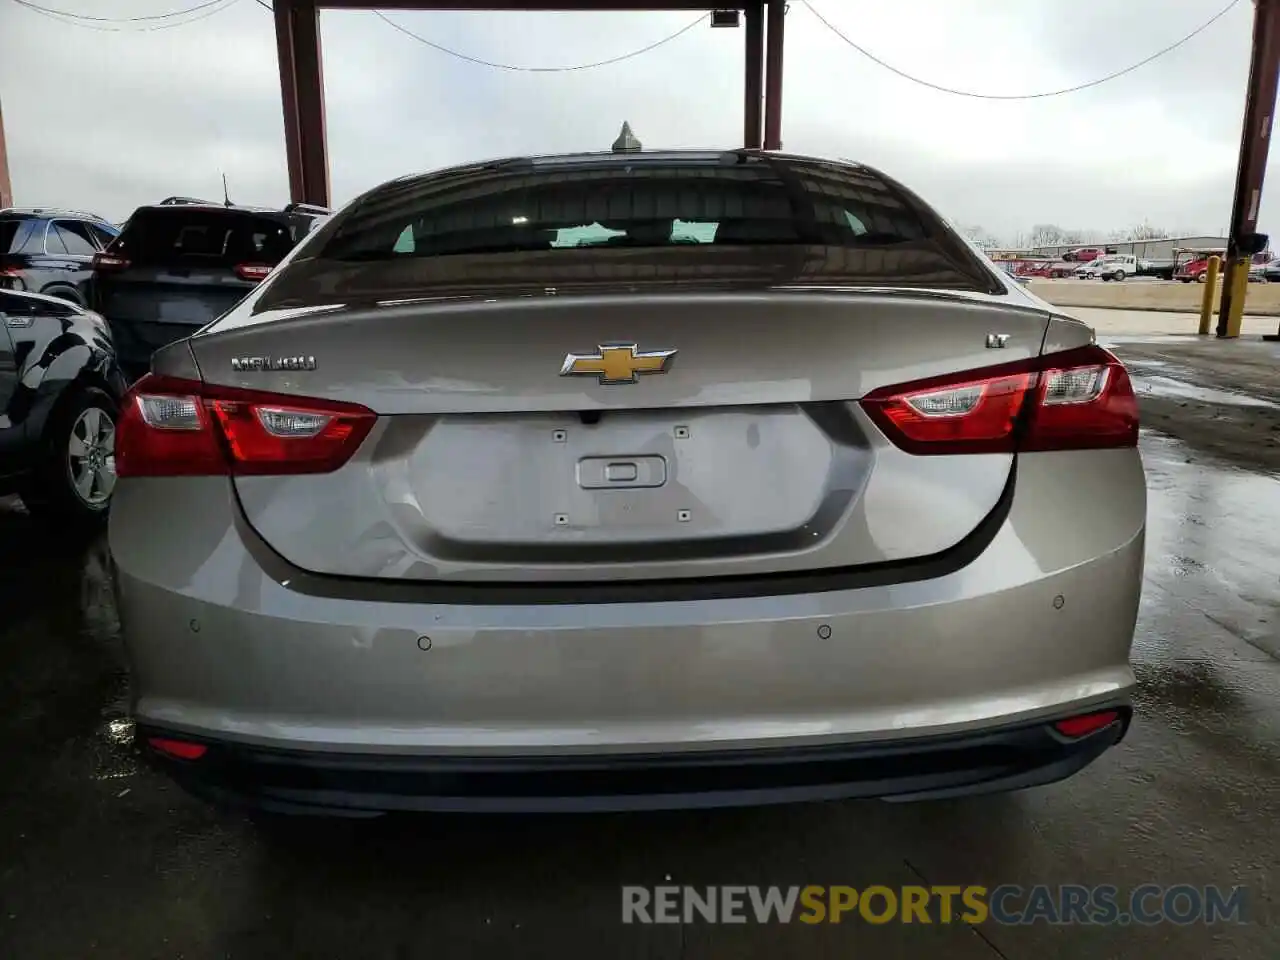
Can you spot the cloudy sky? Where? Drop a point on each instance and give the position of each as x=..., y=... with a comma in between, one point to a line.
x=109, y=119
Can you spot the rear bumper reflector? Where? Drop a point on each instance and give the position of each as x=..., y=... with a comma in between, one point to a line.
x=177, y=749
x=1086, y=724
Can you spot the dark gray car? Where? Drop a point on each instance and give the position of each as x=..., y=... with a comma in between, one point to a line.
x=181, y=264
x=51, y=251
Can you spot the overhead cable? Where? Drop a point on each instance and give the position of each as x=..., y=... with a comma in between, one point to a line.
x=201, y=11
x=525, y=69
x=138, y=19
x=1018, y=96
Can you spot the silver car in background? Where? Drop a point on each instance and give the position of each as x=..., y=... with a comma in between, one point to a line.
x=643, y=480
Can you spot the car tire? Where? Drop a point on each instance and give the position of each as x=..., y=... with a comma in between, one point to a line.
x=69, y=294
x=1202, y=278
x=74, y=477
x=1118, y=276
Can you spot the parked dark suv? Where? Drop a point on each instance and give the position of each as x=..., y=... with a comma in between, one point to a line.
x=59, y=394
x=50, y=251
x=181, y=263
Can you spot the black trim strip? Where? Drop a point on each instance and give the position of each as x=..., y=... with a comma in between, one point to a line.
x=782, y=583
x=1001, y=757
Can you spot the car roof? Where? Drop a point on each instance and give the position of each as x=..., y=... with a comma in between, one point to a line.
x=34, y=213
x=606, y=158
x=220, y=207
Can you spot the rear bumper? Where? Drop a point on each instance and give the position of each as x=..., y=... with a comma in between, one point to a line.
x=412, y=686
x=293, y=781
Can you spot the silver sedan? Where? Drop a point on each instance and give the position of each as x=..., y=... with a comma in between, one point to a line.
x=640, y=480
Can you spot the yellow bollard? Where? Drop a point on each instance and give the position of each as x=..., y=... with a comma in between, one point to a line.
x=1210, y=288
x=1239, y=290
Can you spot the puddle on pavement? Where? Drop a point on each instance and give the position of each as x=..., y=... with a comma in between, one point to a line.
x=1162, y=386
x=1229, y=705
x=1208, y=637
x=1211, y=538
x=114, y=757
x=1110, y=339
x=66, y=650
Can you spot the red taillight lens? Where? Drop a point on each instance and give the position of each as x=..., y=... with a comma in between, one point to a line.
x=968, y=416
x=109, y=261
x=172, y=427
x=252, y=271
x=1074, y=400
x=1083, y=406
x=178, y=749
x=165, y=431
x=1088, y=723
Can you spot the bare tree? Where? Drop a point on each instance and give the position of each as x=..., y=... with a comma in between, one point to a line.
x=1052, y=235
x=979, y=235
x=1145, y=231
x=1047, y=235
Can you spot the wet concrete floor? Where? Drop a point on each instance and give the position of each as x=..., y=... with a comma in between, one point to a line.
x=101, y=858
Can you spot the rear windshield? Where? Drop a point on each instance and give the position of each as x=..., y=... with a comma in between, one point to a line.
x=575, y=205
x=14, y=233
x=192, y=238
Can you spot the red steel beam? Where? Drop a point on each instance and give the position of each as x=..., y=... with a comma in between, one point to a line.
x=302, y=83
x=302, y=93
x=1255, y=138
x=568, y=6
x=773, y=76
x=289, y=96
x=6, y=185
x=753, y=78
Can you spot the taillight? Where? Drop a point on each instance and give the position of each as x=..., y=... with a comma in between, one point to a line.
x=108, y=262
x=1074, y=400
x=170, y=427
x=252, y=271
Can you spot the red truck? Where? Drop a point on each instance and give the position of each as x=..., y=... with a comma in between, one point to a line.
x=1191, y=264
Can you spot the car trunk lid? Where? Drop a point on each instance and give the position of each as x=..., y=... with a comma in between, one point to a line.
x=607, y=437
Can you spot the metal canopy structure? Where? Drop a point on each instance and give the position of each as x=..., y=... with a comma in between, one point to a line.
x=6, y=189
x=1255, y=143
x=302, y=79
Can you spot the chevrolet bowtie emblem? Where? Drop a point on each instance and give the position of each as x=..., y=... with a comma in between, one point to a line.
x=616, y=363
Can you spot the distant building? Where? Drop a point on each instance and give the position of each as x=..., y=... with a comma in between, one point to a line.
x=1162, y=249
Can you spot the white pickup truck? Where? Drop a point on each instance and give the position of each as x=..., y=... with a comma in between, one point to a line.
x=1117, y=266
x=1114, y=266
